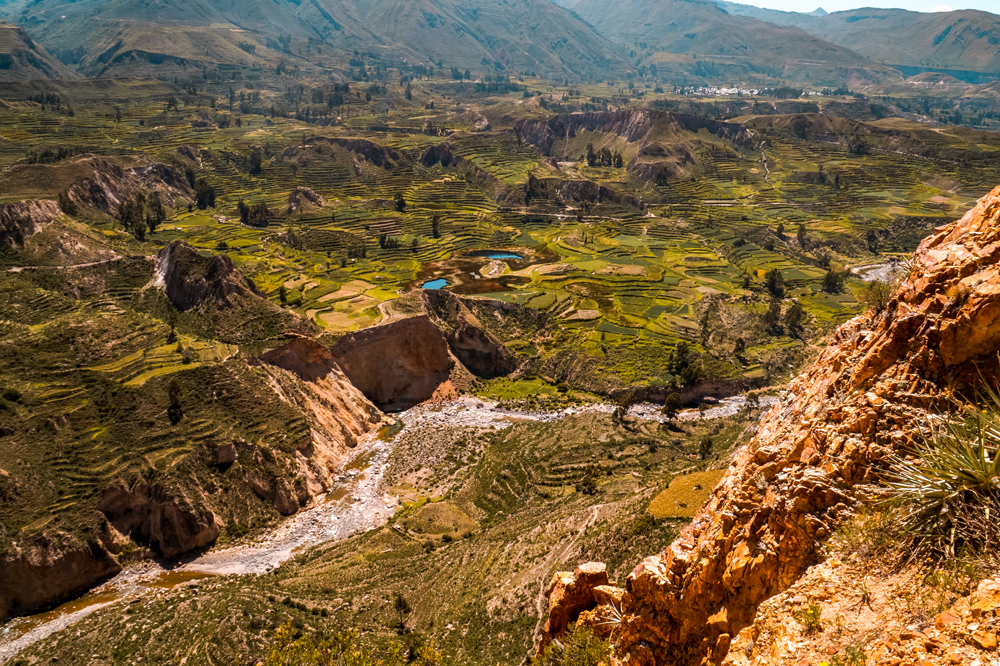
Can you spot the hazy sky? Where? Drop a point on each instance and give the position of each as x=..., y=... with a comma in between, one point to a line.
x=840, y=5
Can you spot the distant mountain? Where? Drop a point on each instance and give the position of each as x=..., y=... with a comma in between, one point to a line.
x=967, y=40
x=21, y=58
x=819, y=11
x=703, y=28
x=110, y=37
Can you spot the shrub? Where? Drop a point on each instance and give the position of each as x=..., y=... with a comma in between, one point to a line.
x=809, y=618
x=579, y=647
x=947, y=494
x=876, y=295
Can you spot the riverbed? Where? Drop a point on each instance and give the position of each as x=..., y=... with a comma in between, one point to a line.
x=356, y=504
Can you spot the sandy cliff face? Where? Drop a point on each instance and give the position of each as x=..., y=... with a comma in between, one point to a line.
x=305, y=373
x=817, y=451
x=21, y=220
x=397, y=365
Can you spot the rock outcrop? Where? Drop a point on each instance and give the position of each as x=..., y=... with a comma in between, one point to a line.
x=21, y=220
x=50, y=569
x=481, y=353
x=306, y=374
x=168, y=521
x=303, y=198
x=657, y=135
x=396, y=365
x=99, y=184
x=819, y=448
x=189, y=279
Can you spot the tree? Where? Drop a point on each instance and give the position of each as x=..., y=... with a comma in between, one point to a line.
x=436, y=226
x=772, y=318
x=402, y=608
x=283, y=295
x=409, y=92
x=705, y=447
x=132, y=215
x=157, y=213
x=400, y=203
x=739, y=346
x=833, y=281
x=588, y=485
x=671, y=405
x=591, y=155
x=174, y=411
x=876, y=296
x=795, y=318
x=774, y=281
x=800, y=235
x=872, y=239
x=204, y=194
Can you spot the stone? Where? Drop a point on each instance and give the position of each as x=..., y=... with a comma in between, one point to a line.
x=985, y=640
x=226, y=454
x=571, y=593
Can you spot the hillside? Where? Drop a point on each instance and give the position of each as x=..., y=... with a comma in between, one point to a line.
x=815, y=462
x=23, y=59
x=701, y=28
x=965, y=40
x=118, y=37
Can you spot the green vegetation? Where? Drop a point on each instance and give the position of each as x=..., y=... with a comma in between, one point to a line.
x=949, y=495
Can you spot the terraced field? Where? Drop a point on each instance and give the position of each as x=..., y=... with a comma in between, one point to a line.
x=615, y=276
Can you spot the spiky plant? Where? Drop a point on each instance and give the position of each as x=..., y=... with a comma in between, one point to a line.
x=950, y=491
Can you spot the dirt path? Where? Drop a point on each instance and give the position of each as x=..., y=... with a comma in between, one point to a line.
x=546, y=566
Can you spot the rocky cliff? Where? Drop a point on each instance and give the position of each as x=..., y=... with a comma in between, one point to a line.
x=396, y=365
x=21, y=220
x=304, y=373
x=189, y=279
x=817, y=452
x=44, y=571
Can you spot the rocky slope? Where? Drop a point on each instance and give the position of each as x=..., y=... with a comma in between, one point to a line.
x=189, y=279
x=817, y=452
x=23, y=59
x=21, y=220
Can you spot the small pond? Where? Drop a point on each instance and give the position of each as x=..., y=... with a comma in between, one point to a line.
x=496, y=254
x=440, y=283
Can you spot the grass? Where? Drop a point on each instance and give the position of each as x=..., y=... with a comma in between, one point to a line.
x=685, y=495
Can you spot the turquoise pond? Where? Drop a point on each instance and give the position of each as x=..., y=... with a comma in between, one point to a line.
x=490, y=254
x=435, y=284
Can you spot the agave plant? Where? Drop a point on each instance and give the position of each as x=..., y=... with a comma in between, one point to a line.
x=948, y=492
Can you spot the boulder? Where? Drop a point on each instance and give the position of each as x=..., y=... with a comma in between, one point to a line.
x=571, y=593
x=304, y=198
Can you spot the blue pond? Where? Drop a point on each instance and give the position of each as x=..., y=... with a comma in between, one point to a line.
x=435, y=284
x=490, y=254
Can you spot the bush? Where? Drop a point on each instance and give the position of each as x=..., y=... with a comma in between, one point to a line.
x=947, y=494
x=876, y=295
x=809, y=618
x=579, y=647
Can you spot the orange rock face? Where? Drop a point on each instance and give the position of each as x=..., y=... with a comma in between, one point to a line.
x=867, y=395
x=570, y=594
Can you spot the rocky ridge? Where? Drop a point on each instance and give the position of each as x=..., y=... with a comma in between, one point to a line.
x=818, y=452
